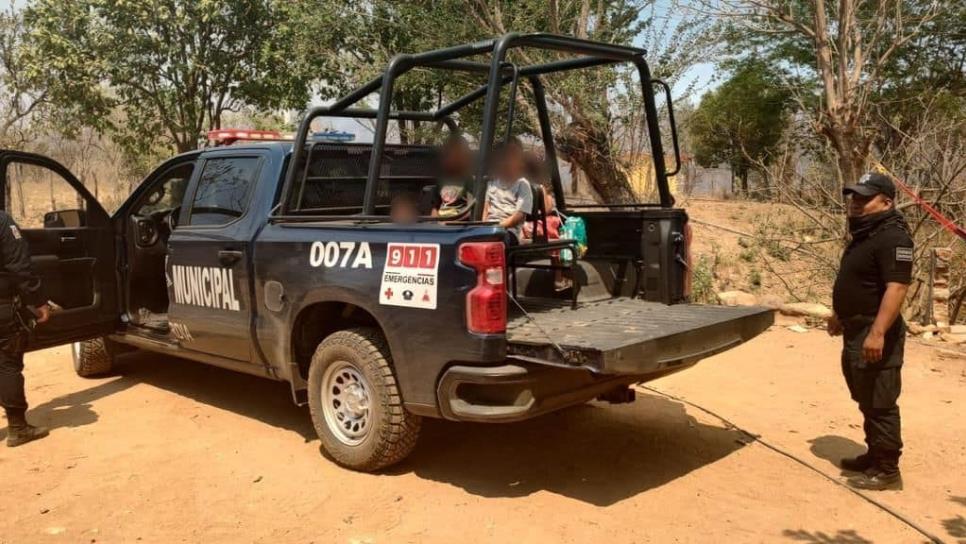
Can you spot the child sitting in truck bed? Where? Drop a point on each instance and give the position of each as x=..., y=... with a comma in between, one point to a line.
x=508, y=196
x=538, y=175
x=404, y=209
x=452, y=198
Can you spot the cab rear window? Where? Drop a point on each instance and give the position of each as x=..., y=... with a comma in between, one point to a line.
x=335, y=181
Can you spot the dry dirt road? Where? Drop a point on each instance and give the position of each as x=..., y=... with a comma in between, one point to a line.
x=172, y=451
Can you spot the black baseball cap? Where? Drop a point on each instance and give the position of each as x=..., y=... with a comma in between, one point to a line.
x=871, y=184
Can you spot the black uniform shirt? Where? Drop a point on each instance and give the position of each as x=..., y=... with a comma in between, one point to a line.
x=868, y=264
x=16, y=273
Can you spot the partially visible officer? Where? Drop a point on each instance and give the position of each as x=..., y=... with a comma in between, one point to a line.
x=873, y=278
x=19, y=288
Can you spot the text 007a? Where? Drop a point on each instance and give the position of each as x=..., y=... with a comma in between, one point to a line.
x=340, y=255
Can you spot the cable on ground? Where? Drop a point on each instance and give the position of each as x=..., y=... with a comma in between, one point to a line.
x=757, y=438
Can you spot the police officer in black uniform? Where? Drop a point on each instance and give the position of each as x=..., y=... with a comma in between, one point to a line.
x=872, y=282
x=19, y=290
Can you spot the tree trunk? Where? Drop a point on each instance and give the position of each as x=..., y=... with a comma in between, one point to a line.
x=22, y=198
x=588, y=146
x=185, y=146
x=851, y=154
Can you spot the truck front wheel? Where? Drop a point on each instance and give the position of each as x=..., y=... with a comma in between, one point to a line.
x=93, y=357
x=355, y=402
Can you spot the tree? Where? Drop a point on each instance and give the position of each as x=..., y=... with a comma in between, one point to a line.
x=169, y=69
x=20, y=100
x=583, y=124
x=927, y=78
x=847, y=46
x=588, y=110
x=742, y=121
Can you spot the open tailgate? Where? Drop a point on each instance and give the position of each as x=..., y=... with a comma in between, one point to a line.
x=630, y=336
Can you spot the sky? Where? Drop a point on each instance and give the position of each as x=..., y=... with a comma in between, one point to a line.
x=701, y=75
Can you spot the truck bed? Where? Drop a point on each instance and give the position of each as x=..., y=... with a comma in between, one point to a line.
x=628, y=336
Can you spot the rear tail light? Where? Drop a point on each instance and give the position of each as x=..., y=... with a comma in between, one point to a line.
x=486, y=303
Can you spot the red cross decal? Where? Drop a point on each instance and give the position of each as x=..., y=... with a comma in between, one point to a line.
x=388, y=292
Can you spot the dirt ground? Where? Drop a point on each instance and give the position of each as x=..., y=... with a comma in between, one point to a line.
x=174, y=451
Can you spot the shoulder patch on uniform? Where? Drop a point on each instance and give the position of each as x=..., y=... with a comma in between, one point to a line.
x=904, y=254
x=15, y=231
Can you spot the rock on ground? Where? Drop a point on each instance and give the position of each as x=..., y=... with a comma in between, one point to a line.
x=737, y=298
x=954, y=338
x=806, y=309
x=771, y=301
x=917, y=330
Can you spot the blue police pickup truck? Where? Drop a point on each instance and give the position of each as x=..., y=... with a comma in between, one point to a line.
x=279, y=259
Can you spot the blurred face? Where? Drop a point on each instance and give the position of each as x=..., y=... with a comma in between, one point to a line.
x=549, y=204
x=865, y=205
x=403, y=211
x=457, y=160
x=511, y=166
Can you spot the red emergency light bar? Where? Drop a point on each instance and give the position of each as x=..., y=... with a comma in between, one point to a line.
x=228, y=136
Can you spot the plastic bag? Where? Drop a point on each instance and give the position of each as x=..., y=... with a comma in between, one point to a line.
x=574, y=228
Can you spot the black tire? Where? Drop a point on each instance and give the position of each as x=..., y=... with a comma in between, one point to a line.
x=360, y=357
x=93, y=357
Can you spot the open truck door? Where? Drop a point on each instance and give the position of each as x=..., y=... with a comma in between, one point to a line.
x=72, y=247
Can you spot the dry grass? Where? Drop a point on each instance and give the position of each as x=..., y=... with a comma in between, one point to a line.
x=34, y=190
x=763, y=248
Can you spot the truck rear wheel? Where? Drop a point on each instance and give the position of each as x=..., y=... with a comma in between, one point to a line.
x=93, y=357
x=355, y=403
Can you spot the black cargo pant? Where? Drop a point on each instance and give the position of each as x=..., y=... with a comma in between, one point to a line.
x=876, y=387
x=12, y=396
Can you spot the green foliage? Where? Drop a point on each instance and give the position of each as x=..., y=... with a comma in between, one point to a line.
x=776, y=250
x=888, y=66
x=167, y=70
x=386, y=28
x=22, y=103
x=702, y=281
x=741, y=122
x=754, y=279
x=748, y=255
x=590, y=109
x=927, y=78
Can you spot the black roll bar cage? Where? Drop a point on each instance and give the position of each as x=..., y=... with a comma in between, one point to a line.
x=453, y=58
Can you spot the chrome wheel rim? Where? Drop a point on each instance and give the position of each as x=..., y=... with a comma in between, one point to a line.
x=75, y=350
x=345, y=403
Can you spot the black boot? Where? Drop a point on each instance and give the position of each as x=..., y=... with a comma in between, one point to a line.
x=876, y=479
x=19, y=432
x=883, y=474
x=859, y=463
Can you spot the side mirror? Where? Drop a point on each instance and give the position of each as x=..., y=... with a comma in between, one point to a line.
x=65, y=219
